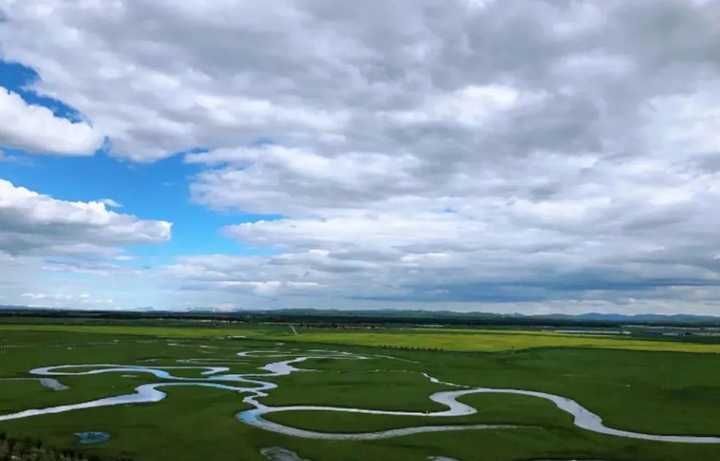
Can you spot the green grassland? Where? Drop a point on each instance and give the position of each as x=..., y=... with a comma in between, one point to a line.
x=495, y=340
x=460, y=340
x=655, y=386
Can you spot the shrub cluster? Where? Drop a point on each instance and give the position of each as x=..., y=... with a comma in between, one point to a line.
x=34, y=450
x=413, y=348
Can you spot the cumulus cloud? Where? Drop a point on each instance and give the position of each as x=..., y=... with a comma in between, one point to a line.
x=242, y=181
x=473, y=106
x=603, y=230
x=36, y=224
x=60, y=253
x=37, y=129
x=110, y=203
x=535, y=154
x=62, y=299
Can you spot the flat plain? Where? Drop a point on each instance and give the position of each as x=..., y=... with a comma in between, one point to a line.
x=652, y=386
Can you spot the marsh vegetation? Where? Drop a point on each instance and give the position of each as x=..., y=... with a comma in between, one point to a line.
x=659, y=392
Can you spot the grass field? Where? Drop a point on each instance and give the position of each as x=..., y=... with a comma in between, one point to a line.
x=662, y=387
x=459, y=340
x=493, y=341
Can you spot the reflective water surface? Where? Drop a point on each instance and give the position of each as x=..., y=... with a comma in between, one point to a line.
x=254, y=386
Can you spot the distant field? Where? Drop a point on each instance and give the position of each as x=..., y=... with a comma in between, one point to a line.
x=493, y=341
x=190, y=331
x=459, y=340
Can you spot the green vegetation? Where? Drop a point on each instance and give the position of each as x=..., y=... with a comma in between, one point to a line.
x=34, y=450
x=149, y=330
x=646, y=388
x=492, y=341
x=459, y=340
x=492, y=409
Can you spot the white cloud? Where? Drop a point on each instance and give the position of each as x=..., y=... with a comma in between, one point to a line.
x=245, y=181
x=267, y=288
x=32, y=223
x=593, y=65
x=65, y=299
x=476, y=153
x=472, y=106
x=686, y=124
x=110, y=203
x=37, y=129
x=460, y=241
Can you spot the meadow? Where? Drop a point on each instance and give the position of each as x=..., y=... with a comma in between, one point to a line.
x=642, y=385
x=446, y=339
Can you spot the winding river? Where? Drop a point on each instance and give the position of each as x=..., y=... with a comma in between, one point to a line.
x=255, y=386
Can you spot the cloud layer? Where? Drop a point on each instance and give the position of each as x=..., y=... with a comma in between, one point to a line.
x=36, y=224
x=36, y=129
x=555, y=153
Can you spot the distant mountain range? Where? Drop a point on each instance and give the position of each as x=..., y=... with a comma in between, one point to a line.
x=644, y=318
x=376, y=316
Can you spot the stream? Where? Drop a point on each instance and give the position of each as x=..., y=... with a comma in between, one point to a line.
x=255, y=386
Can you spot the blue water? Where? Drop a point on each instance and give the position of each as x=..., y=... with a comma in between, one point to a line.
x=88, y=438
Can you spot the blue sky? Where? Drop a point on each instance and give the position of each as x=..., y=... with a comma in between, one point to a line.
x=470, y=155
x=17, y=77
x=158, y=189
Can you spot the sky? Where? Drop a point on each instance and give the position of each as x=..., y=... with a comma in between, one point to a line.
x=471, y=155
